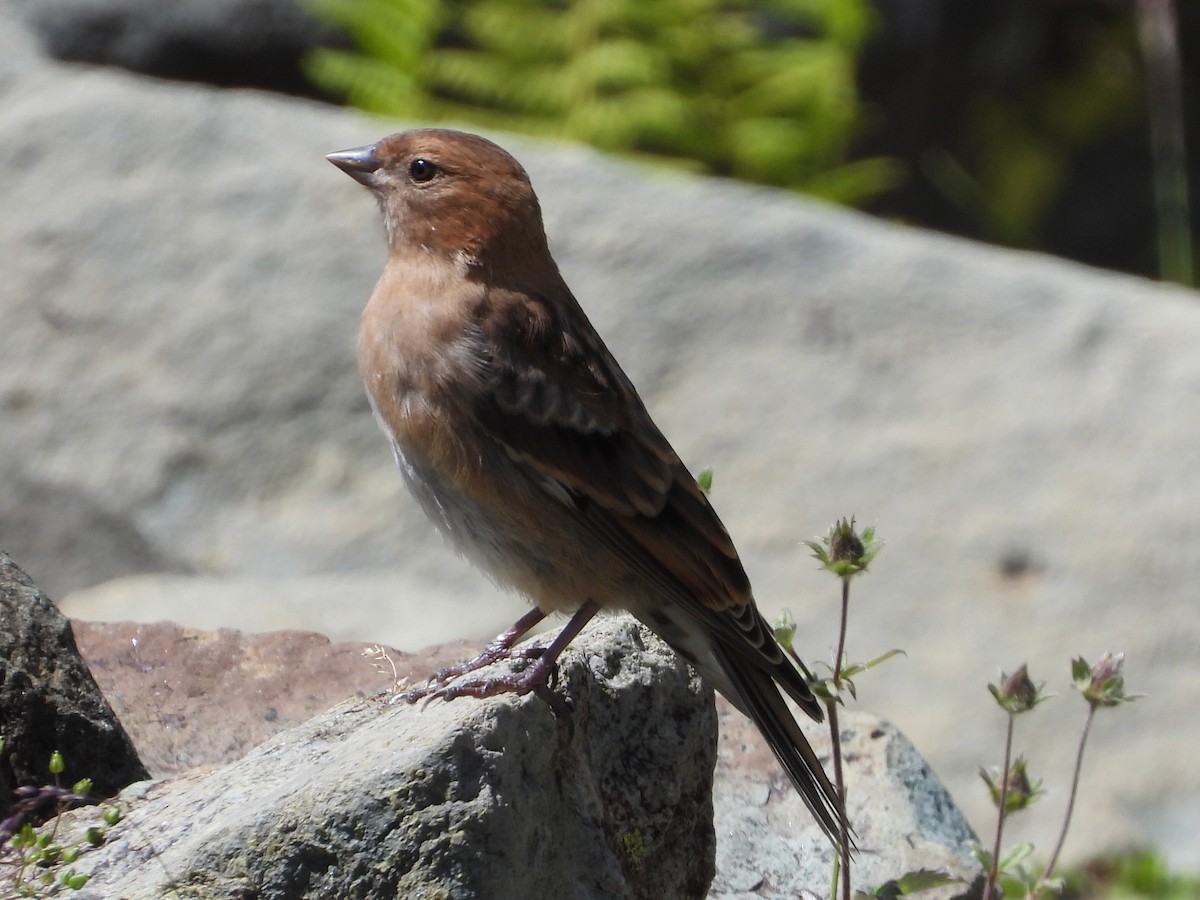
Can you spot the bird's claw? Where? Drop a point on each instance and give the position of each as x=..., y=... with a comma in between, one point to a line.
x=452, y=682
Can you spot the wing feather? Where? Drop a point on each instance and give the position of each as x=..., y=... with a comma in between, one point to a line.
x=563, y=407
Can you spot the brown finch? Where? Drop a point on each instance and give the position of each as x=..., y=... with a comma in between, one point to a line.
x=529, y=448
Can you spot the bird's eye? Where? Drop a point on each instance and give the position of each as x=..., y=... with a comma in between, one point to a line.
x=422, y=170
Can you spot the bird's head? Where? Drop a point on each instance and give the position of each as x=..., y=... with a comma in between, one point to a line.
x=452, y=195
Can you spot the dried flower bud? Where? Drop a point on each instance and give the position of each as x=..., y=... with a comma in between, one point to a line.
x=1021, y=790
x=1017, y=693
x=844, y=544
x=842, y=551
x=1102, y=684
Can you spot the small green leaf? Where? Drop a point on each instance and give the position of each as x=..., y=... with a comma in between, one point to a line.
x=824, y=689
x=1081, y=673
x=858, y=668
x=25, y=838
x=982, y=855
x=785, y=630
x=73, y=880
x=1015, y=856
x=911, y=883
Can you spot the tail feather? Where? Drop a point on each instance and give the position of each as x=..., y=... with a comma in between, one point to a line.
x=759, y=698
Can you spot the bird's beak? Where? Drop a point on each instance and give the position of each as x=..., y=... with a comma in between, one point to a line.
x=360, y=163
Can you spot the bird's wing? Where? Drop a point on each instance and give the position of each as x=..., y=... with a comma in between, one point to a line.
x=563, y=406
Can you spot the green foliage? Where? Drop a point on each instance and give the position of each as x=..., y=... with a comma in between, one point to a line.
x=1019, y=146
x=844, y=553
x=843, y=679
x=1016, y=875
x=907, y=885
x=761, y=90
x=1101, y=685
x=633, y=844
x=1136, y=874
x=34, y=862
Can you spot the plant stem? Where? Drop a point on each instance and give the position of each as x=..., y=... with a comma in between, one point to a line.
x=994, y=874
x=841, y=648
x=1062, y=837
x=840, y=783
x=835, y=738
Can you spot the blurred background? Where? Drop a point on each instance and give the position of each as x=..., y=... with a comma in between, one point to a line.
x=1056, y=125
x=183, y=436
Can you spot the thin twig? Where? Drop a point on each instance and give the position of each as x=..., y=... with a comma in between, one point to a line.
x=836, y=742
x=1062, y=837
x=841, y=648
x=994, y=874
x=840, y=783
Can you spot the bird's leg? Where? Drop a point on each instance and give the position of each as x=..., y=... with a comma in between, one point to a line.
x=528, y=679
x=500, y=647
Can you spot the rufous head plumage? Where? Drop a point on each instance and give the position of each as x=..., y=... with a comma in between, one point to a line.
x=453, y=195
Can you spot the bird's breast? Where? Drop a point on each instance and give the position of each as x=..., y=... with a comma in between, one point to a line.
x=418, y=355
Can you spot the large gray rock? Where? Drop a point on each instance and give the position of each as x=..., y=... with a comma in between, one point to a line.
x=639, y=729
x=183, y=272
x=611, y=798
x=190, y=697
x=768, y=847
x=49, y=701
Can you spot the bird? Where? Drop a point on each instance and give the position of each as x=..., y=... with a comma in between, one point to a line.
x=529, y=448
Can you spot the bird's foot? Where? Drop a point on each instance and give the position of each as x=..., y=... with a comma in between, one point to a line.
x=452, y=682
x=500, y=648
x=467, y=679
x=538, y=676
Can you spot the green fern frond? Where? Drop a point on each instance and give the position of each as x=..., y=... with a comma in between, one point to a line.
x=759, y=89
x=853, y=183
x=522, y=31
x=617, y=65
x=377, y=87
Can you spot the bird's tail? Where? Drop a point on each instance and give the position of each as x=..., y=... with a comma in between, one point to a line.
x=759, y=698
